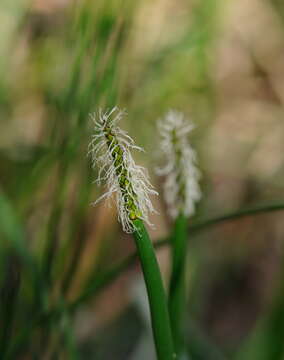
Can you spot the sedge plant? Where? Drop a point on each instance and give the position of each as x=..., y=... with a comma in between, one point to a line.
x=181, y=192
x=110, y=150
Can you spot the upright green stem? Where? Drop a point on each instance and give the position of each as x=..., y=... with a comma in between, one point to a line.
x=156, y=294
x=177, y=283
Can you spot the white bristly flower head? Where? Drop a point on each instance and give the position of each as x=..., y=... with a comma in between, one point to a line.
x=110, y=150
x=181, y=188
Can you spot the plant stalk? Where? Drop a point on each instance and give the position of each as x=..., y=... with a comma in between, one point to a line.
x=156, y=294
x=177, y=294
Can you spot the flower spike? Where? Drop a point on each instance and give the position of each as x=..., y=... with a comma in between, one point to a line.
x=110, y=149
x=181, y=188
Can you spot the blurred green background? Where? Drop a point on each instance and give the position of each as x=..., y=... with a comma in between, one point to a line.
x=222, y=63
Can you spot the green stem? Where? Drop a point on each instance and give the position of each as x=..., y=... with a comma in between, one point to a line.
x=156, y=294
x=177, y=283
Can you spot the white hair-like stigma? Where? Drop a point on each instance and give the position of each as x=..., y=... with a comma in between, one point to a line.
x=181, y=187
x=110, y=150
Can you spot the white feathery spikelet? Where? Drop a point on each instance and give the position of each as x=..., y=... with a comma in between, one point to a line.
x=110, y=150
x=181, y=187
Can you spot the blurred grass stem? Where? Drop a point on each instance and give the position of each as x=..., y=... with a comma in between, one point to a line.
x=177, y=293
x=8, y=300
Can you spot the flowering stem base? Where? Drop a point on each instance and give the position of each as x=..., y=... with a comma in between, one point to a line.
x=177, y=283
x=156, y=294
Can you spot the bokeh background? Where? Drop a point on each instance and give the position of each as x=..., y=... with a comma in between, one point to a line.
x=222, y=64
